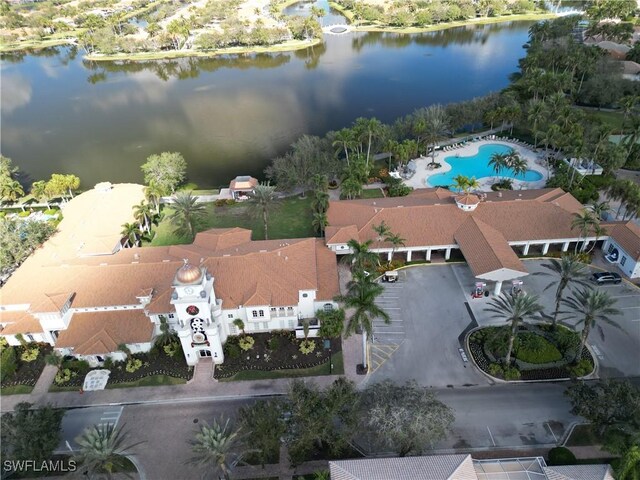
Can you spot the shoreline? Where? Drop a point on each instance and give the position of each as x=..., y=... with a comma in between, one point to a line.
x=290, y=46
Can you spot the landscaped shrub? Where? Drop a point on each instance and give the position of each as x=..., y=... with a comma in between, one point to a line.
x=64, y=375
x=505, y=184
x=8, y=363
x=331, y=323
x=273, y=343
x=108, y=363
x=230, y=201
x=533, y=348
x=231, y=350
x=561, y=456
x=80, y=366
x=497, y=341
x=133, y=365
x=584, y=367
x=221, y=202
x=51, y=211
x=172, y=348
x=511, y=373
x=30, y=354
x=565, y=339
x=24, y=214
x=307, y=346
x=496, y=370
x=246, y=343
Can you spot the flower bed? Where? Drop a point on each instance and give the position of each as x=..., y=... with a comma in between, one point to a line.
x=136, y=367
x=278, y=350
x=26, y=372
x=539, y=353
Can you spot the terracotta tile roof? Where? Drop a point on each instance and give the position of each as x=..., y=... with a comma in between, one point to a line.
x=95, y=333
x=627, y=235
x=468, y=199
x=485, y=249
x=579, y=472
x=341, y=234
x=51, y=303
x=518, y=215
x=434, y=467
x=23, y=322
x=222, y=238
x=11, y=316
x=327, y=273
x=243, y=183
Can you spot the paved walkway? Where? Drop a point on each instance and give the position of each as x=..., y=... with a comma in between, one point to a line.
x=45, y=380
x=201, y=387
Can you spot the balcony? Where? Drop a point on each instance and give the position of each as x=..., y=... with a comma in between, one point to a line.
x=314, y=327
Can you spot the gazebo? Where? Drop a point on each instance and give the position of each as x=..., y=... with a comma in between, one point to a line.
x=242, y=186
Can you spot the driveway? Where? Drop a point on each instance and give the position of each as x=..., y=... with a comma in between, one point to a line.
x=618, y=351
x=429, y=314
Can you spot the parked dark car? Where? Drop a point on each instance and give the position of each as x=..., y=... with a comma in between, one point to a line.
x=602, y=278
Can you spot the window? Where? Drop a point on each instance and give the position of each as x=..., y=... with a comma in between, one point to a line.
x=327, y=307
x=610, y=249
x=229, y=315
x=623, y=260
x=254, y=314
x=289, y=310
x=273, y=310
x=261, y=312
x=30, y=337
x=292, y=323
x=171, y=316
x=305, y=295
x=232, y=329
x=54, y=334
x=265, y=325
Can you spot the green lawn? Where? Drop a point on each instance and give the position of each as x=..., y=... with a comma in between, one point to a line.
x=151, y=381
x=16, y=390
x=292, y=219
x=338, y=369
x=372, y=193
x=613, y=119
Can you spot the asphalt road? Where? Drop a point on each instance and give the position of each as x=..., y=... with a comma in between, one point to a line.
x=498, y=416
x=76, y=420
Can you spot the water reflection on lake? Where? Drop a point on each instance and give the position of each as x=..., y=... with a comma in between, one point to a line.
x=230, y=115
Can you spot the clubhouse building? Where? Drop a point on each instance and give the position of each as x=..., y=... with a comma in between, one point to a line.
x=87, y=296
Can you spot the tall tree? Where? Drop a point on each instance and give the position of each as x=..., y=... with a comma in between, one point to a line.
x=595, y=307
x=382, y=231
x=132, y=233
x=584, y=222
x=361, y=257
x=498, y=162
x=369, y=129
x=265, y=198
x=103, y=451
x=319, y=222
x=567, y=270
x=515, y=309
x=344, y=139
x=360, y=303
x=165, y=171
x=142, y=213
x=264, y=423
x=187, y=213
x=30, y=433
x=39, y=191
x=219, y=447
x=396, y=242
x=404, y=418
x=11, y=190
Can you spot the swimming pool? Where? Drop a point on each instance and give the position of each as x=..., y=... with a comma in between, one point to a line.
x=478, y=166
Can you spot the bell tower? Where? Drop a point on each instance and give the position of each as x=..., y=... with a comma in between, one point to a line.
x=194, y=300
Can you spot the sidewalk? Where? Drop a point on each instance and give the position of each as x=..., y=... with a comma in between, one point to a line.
x=200, y=388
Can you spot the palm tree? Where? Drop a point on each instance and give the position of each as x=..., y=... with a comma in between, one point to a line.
x=344, y=138
x=537, y=113
x=153, y=194
x=360, y=257
x=320, y=202
x=369, y=128
x=585, y=223
x=239, y=324
x=142, y=213
x=396, y=241
x=319, y=222
x=515, y=309
x=218, y=446
x=629, y=467
x=11, y=190
x=361, y=296
x=351, y=188
x=187, y=213
x=131, y=233
x=594, y=306
x=382, y=230
x=166, y=335
x=518, y=165
x=39, y=191
x=599, y=209
x=498, y=162
x=460, y=182
x=103, y=450
x=436, y=126
x=568, y=269
x=265, y=198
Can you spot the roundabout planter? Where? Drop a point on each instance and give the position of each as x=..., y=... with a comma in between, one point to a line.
x=492, y=366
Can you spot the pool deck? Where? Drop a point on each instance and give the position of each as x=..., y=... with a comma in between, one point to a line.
x=534, y=160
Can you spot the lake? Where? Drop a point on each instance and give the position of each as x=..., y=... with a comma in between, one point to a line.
x=230, y=115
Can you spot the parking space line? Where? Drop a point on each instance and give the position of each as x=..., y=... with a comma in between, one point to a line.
x=555, y=439
x=492, y=440
x=624, y=296
x=628, y=308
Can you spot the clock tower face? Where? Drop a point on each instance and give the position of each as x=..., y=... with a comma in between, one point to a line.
x=188, y=290
x=192, y=310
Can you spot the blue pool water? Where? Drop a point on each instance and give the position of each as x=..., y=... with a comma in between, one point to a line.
x=478, y=166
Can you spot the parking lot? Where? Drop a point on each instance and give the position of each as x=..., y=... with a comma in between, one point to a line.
x=431, y=307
